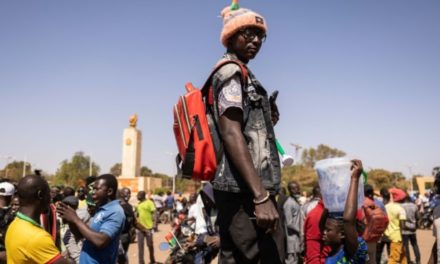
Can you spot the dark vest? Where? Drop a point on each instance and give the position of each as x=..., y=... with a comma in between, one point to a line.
x=258, y=132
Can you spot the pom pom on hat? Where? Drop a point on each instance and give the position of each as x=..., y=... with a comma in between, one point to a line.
x=236, y=18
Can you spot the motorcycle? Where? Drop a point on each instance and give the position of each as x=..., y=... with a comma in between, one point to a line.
x=180, y=240
x=426, y=220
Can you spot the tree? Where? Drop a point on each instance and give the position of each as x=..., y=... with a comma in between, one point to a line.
x=14, y=170
x=311, y=156
x=305, y=176
x=145, y=171
x=381, y=178
x=116, y=169
x=76, y=170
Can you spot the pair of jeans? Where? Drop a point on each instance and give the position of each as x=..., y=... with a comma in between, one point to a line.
x=148, y=235
x=372, y=247
x=406, y=238
x=381, y=244
x=242, y=241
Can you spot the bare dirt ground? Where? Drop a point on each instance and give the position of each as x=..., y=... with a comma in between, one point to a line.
x=424, y=238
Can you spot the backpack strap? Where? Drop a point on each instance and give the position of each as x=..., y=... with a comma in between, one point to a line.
x=208, y=94
x=207, y=90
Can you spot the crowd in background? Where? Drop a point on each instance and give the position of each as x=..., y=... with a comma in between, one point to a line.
x=302, y=220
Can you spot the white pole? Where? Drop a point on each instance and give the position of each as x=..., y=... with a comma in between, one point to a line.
x=411, y=178
x=174, y=176
x=8, y=160
x=90, y=165
x=174, y=184
x=24, y=166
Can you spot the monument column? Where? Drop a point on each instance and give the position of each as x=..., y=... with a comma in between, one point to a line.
x=131, y=161
x=131, y=150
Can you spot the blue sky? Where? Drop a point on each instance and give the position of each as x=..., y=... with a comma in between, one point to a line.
x=361, y=76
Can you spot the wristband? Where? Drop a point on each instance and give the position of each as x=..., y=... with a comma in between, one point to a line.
x=262, y=200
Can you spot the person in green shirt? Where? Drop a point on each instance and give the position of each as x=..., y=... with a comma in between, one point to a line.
x=144, y=223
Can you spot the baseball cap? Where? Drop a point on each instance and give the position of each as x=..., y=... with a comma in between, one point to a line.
x=7, y=189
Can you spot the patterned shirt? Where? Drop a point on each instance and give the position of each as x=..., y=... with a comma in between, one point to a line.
x=360, y=257
x=231, y=94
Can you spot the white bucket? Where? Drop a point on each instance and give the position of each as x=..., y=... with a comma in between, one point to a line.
x=334, y=180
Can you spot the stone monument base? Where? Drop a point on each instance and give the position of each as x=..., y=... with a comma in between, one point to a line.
x=140, y=183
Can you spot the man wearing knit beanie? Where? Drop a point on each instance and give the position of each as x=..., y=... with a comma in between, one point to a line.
x=248, y=175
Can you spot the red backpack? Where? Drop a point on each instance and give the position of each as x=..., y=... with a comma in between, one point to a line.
x=198, y=157
x=375, y=220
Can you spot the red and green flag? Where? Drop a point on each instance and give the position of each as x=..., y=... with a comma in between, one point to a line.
x=171, y=239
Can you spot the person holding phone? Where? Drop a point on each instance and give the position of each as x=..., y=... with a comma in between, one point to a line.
x=102, y=236
x=248, y=175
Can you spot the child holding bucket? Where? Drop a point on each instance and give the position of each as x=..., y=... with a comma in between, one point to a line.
x=340, y=233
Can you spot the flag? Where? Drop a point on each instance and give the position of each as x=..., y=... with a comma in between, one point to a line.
x=171, y=239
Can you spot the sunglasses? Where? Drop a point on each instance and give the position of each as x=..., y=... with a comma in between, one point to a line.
x=250, y=33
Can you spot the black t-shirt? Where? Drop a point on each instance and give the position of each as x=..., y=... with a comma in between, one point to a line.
x=6, y=218
x=129, y=217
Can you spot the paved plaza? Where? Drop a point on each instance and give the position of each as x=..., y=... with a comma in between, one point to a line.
x=424, y=238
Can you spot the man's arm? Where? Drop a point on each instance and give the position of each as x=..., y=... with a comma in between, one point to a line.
x=351, y=236
x=402, y=219
x=235, y=145
x=98, y=239
x=139, y=225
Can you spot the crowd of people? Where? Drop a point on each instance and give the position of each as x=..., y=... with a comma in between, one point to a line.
x=242, y=215
x=96, y=223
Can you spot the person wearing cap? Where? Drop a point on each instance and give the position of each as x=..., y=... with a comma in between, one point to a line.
x=397, y=216
x=248, y=174
x=26, y=241
x=7, y=190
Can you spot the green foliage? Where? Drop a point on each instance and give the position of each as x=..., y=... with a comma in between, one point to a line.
x=306, y=176
x=145, y=171
x=116, y=169
x=181, y=184
x=381, y=178
x=14, y=170
x=73, y=172
x=163, y=190
x=311, y=156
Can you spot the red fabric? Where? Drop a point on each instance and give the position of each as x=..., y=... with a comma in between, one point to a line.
x=398, y=194
x=374, y=219
x=315, y=251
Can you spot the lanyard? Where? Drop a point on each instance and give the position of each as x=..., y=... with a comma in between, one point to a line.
x=27, y=218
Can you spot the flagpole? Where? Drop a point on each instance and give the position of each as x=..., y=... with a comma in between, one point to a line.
x=24, y=166
x=177, y=240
